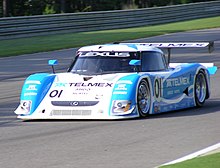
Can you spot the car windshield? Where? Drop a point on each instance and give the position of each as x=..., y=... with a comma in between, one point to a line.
x=90, y=63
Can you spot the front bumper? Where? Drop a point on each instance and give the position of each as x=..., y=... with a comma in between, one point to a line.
x=82, y=113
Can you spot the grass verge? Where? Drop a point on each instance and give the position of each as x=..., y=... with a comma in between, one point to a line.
x=55, y=42
x=209, y=161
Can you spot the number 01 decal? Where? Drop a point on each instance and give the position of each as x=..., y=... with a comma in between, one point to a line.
x=56, y=93
x=158, y=89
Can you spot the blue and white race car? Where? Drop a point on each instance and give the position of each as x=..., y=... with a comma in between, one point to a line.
x=116, y=81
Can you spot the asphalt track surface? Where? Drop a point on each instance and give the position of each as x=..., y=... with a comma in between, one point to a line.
x=136, y=143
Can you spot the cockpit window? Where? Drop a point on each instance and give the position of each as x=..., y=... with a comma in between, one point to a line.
x=152, y=61
x=90, y=63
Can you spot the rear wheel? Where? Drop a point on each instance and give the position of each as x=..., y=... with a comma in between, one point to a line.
x=200, y=89
x=143, y=98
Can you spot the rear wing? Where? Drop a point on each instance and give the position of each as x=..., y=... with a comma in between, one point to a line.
x=169, y=46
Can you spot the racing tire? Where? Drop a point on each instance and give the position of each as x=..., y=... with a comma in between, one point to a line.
x=143, y=98
x=200, y=89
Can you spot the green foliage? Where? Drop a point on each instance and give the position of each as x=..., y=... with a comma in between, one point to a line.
x=49, y=9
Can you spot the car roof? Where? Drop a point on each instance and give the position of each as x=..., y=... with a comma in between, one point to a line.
x=119, y=48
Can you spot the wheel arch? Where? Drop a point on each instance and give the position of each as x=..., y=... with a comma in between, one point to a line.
x=150, y=85
x=207, y=81
x=205, y=71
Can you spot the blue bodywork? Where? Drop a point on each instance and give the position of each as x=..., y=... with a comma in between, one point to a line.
x=172, y=89
x=35, y=88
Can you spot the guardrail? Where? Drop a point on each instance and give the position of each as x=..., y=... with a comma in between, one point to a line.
x=28, y=26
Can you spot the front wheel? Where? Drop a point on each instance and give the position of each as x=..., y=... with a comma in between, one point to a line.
x=200, y=89
x=143, y=98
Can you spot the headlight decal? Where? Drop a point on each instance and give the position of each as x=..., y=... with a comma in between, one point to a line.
x=121, y=106
x=25, y=107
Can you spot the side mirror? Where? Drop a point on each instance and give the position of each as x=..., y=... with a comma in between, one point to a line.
x=135, y=62
x=52, y=63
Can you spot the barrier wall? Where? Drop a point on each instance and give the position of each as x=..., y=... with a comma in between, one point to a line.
x=28, y=26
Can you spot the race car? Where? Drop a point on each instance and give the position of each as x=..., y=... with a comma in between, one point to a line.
x=117, y=81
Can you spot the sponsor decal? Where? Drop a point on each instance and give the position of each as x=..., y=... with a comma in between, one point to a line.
x=171, y=92
x=30, y=94
x=33, y=82
x=175, y=44
x=121, y=87
x=125, y=82
x=83, y=89
x=32, y=87
x=120, y=92
x=80, y=93
x=83, y=84
x=173, y=82
x=60, y=84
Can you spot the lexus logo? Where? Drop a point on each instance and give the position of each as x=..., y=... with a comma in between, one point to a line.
x=75, y=103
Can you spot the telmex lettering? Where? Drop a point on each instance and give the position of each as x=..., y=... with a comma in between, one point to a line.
x=175, y=44
x=186, y=45
x=82, y=84
x=177, y=81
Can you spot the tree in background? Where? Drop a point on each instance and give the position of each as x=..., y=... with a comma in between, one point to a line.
x=39, y=7
x=92, y=5
x=4, y=8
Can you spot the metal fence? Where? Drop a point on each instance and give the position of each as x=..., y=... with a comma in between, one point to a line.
x=28, y=26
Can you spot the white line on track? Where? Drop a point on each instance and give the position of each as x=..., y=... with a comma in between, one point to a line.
x=193, y=155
